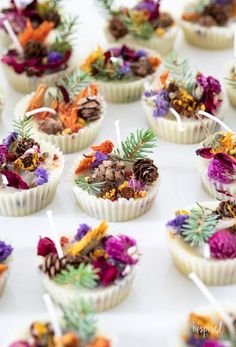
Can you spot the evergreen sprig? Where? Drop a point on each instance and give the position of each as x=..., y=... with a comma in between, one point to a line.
x=84, y=276
x=200, y=226
x=180, y=71
x=104, y=6
x=23, y=127
x=73, y=83
x=64, y=39
x=138, y=145
x=91, y=188
x=79, y=317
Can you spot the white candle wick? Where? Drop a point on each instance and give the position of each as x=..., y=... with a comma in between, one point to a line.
x=217, y=120
x=13, y=36
x=178, y=118
x=39, y=110
x=53, y=315
x=55, y=234
x=118, y=135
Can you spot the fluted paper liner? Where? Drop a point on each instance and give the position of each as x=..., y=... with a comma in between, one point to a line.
x=16, y=203
x=113, y=211
x=208, y=38
x=68, y=143
x=3, y=280
x=162, y=44
x=167, y=128
x=211, y=271
x=100, y=299
x=231, y=92
x=25, y=84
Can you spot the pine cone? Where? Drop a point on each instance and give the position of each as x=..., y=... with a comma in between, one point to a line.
x=165, y=21
x=109, y=170
x=145, y=171
x=117, y=28
x=142, y=67
x=53, y=265
x=77, y=260
x=89, y=109
x=218, y=12
x=34, y=49
x=127, y=193
x=24, y=144
x=51, y=126
x=225, y=207
x=52, y=16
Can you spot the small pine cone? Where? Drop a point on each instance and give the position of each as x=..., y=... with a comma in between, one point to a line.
x=24, y=144
x=117, y=28
x=165, y=20
x=34, y=49
x=77, y=260
x=51, y=126
x=110, y=170
x=145, y=171
x=142, y=67
x=52, y=16
x=227, y=209
x=218, y=12
x=127, y=193
x=53, y=265
x=89, y=109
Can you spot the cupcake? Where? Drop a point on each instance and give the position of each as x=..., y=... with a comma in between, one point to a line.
x=40, y=61
x=79, y=329
x=37, y=11
x=206, y=328
x=180, y=90
x=202, y=239
x=5, y=253
x=121, y=72
x=78, y=112
x=2, y=101
x=209, y=24
x=96, y=267
x=231, y=84
x=117, y=184
x=144, y=25
x=216, y=165
x=29, y=172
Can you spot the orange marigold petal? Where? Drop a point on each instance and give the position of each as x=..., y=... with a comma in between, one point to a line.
x=154, y=61
x=105, y=147
x=164, y=76
x=84, y=164
x=3, y=268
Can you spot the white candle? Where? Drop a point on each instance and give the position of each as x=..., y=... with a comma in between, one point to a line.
x=39, y=110
x=53, y=315
x=13, y=36
x=217, y=120
x=118, y=136
x=55, y=234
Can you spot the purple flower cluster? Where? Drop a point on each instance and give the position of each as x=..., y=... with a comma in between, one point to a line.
x=41, y=176
x=9, y=139
x=82, y=231
x=211, y=89
x=137, y=185
x=194, y=341
x=222, y=168
x=177, y=222
x=99, y=158
x=162, y=104
x=118, y=249
x=223, y=245
x=5, y=251
x=54, y=57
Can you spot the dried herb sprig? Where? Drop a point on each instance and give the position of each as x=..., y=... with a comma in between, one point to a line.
x=90, y=187
x=23, y=127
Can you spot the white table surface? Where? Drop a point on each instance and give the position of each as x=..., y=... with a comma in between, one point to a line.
x=161, y=297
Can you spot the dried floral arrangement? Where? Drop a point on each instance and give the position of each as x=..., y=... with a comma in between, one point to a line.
x=92, y=258
x=5, y=253
x=186, y=92
x=141, y=22
x=79, y=329
x=120, y=63
x=74, y=99
x=37, y=11
x=209, y=13
x=111, y=173
x=219, y=152
x=205, y=330
x=23, y=164
x=39, y=57
x=204, y=225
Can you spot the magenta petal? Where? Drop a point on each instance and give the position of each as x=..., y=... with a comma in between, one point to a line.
x=46, y=246
x=223, y=245
x=20, y=344
x=14, y=180
x=222, y=168
x=205, y=153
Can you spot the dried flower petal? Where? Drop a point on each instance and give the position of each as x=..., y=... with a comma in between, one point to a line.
x=46, y=246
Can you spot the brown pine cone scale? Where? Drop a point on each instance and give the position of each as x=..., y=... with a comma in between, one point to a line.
x=142, y=67
x=53, y=265
x=117, y=28
x=227, y=209
x=145, y=171
x=34, y=49
x=89, y=109
x=24, y=144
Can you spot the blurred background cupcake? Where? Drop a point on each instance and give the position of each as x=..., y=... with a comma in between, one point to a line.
x=5, y=255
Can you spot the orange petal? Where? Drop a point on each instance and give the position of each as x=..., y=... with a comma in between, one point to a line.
x=164, y=76
x=3, y=268
x=191, y=17
x=84, y=164
x=105, y=147
x=154, y=61
x=37, y=100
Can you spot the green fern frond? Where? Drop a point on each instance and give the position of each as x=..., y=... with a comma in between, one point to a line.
x=104, y=6
x=91, y=188
x=23, y=127
x=200, y=226
x=79, y=317
x=138, y=145
x=84, y=276
x=180, y=71
x=73, y=83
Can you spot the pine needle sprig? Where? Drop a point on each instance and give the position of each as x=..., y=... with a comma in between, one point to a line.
x=180, y=71
x=138, y=145
x=200, y=226
x=73, y=83
x=84, y=276
x=66, y=35
x=23, y=127
x=79, y=317
x=91, y=188
x=104, y=7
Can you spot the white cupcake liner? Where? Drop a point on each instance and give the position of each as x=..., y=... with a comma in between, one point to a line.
x=3, y=280
x=231, y=92
x=208, y=38
x=212, y=187
x=162, y=44
x=211, y=271
x=25, y=84
x=113, y=211
x=17, y=203
x=100, y=299
x=167, y=129
x=67, y=143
